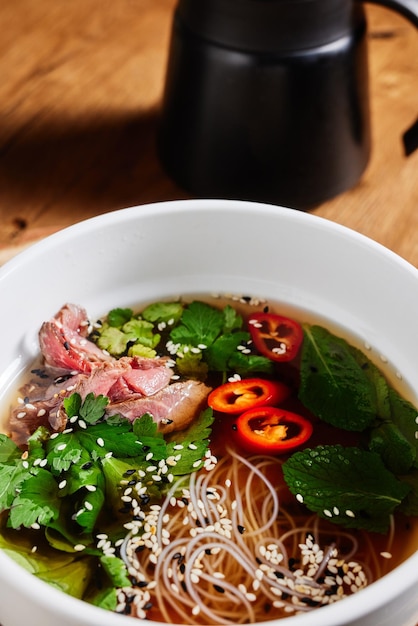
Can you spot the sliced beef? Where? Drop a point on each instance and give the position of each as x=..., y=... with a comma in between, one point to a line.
x=173, y=408
x=26, y=418
x=64, y=344
x=125, y=377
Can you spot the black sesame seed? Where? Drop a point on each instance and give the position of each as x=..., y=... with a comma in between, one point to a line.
x=292, y=562
x=184, y=586
x=185, y=500
x=219, y=589
x=66, y=345
x=140, y=548
x=267, y=607
x=141, y=584
x=285, y=596
x=145, y=448
x=87, y=465
x=132, y=482
x=144, y=498
x=147, y=606
x=266, y=309
x=208, y=551
x=182, y=568
x=129, y=472
x=241, y=529
x=278, y=574
x=234, y=427
x=176, y=556
x=168, y=421
x=310, y=601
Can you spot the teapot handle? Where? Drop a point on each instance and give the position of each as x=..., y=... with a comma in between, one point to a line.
x=409, y=9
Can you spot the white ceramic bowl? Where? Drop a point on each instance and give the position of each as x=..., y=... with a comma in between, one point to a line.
x=147, y=252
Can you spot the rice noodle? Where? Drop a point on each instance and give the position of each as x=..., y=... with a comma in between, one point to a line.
x=225, y=548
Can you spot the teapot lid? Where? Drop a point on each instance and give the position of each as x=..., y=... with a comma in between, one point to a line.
x=268, y=25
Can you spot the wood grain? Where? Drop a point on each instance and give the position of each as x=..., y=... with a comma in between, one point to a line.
x=80, y=91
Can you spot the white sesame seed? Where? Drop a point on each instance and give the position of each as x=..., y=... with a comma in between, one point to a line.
x=62, y=484
x=61, y=447
x=100, y=442
x=386, y=555
x=79, y=547
x=82, y=424
x=327, y=513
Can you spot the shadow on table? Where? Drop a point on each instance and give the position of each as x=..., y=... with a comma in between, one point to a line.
x=91, y=164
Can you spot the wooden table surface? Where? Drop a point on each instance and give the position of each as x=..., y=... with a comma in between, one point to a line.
x=80, y=90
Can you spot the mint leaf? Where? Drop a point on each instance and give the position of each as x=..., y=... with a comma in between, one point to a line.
x=332, y=384
x=410, y=505
x=394, y=449
x=404, y=415
x=347, y=486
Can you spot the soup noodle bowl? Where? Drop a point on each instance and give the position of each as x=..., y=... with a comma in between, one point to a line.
x=145, y=253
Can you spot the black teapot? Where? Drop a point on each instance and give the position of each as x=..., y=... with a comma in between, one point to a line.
x=268, y=99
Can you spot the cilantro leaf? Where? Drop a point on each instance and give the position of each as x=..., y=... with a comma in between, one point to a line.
x=37, y=501
x=332, y=384
x=116, y=570
x=9, y=452
x=232, y=320
x=72, y=578
x=347, y=486
x=62, y=451
x=163, y=312
x=118, y=317
x=220, y=352
x=199, y=324
x=93, y=408
x=195, y=442
x=72, y=405
x=113, y=340
x=11, y=477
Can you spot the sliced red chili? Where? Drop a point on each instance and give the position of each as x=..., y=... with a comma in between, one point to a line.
x=271, y=430
x=241, y=395
x=277, y=337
